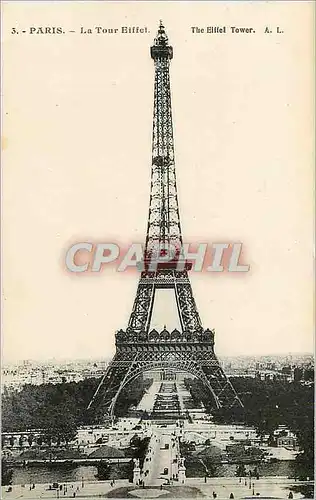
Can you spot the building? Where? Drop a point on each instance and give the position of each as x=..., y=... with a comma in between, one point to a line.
x=289, y=442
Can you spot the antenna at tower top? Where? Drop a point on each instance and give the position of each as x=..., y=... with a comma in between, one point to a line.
x=162, y=30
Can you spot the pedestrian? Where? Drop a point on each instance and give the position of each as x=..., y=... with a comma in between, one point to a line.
x=290, y=494
x=231, y=495
x=74, y=494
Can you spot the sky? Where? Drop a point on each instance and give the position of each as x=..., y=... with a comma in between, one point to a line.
x=76, y=167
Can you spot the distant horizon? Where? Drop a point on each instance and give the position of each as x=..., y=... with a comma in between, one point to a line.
x=109, y=358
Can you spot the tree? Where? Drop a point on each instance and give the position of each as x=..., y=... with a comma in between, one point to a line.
x=104, y=470
x=241, y=470
x=6, y=473
x=138, y=447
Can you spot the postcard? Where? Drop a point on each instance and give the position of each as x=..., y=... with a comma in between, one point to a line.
x=157, y=168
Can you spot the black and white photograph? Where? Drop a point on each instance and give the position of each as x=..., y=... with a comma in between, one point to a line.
x=157, y=250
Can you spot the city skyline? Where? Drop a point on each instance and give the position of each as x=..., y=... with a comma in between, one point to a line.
x=98, y=359
x=283, y=367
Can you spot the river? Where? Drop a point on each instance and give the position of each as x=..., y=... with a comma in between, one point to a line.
x=63, y=474
x=60, y=474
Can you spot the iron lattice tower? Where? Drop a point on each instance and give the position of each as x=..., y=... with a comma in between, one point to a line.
x=138, y=348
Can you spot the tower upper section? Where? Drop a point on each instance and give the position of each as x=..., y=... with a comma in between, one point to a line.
x=163, y=220
x=161, y=49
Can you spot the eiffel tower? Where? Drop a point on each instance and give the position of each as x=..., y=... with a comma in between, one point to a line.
x=139, y=349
